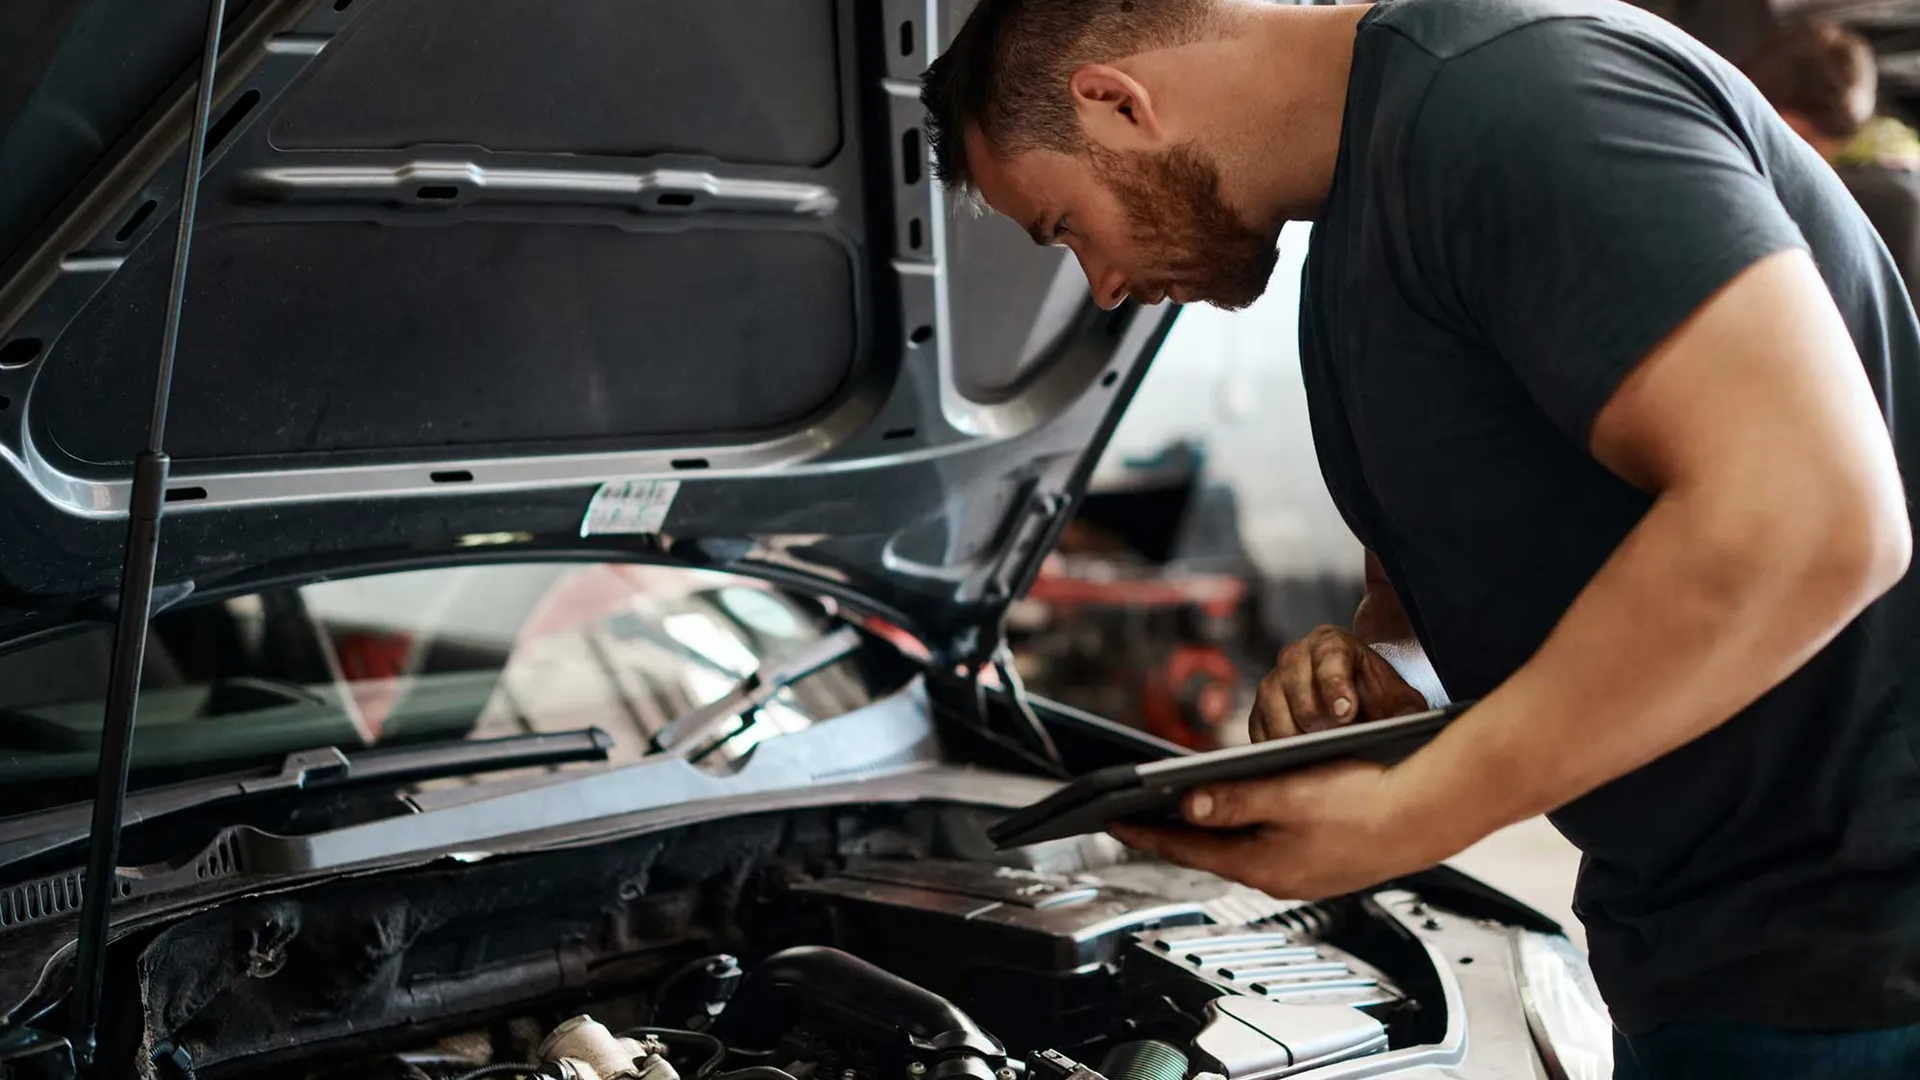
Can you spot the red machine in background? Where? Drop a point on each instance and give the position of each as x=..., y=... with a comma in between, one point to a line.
x=1151, y=649
x=1146, y=611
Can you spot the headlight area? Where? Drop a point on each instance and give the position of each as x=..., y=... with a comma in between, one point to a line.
x=1570, y=1024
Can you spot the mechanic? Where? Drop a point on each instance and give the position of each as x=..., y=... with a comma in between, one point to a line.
x=1614, y=381
x=1823, y=79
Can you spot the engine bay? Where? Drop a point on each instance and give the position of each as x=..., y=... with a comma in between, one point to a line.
x=830, y=944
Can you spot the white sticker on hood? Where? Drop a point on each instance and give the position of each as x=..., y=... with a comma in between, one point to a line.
x=629, y=506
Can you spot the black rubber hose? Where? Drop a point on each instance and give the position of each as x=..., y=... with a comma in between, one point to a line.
x=500, y=1068
x=841, y=988
x=716, y=1050
x=756, y=1072
x=680, y=974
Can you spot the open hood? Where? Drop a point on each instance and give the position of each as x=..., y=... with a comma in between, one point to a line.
x=647, y=277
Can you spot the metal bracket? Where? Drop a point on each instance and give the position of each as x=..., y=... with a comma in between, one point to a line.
x=1027, y=537
x=301, y=767
x=30, y=1054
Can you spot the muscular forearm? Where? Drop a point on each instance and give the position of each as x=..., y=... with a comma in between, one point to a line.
x=1713, y=599
x=1779, y=514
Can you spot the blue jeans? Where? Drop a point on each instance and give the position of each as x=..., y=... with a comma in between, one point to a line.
x=1711, y=1051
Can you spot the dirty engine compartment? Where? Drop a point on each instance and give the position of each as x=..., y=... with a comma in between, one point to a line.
x=826, y=944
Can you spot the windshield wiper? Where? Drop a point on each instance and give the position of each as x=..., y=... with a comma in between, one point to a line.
x=686, y=734
x=328, y=767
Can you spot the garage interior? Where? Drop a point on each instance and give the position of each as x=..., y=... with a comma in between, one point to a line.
x=1205, y=542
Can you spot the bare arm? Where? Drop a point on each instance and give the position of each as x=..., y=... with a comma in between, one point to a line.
x=1779, y=515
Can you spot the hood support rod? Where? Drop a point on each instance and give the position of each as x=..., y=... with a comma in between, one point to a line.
x=136, y=601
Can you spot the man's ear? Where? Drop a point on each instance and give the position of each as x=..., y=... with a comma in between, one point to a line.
x=1115, y=111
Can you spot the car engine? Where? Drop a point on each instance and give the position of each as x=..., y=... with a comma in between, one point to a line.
x=812, y=945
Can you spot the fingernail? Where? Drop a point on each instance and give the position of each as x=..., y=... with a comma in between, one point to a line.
x=1200, y=806
x=1341, y=707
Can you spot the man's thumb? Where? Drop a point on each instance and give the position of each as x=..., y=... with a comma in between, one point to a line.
x=1233, y=805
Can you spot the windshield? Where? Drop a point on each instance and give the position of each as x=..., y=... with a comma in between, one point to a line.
x=468, y=652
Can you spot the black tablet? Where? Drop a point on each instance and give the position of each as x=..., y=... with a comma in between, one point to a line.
x=1151, y=793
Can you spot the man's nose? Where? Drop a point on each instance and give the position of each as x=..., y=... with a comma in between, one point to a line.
x=1108, y=284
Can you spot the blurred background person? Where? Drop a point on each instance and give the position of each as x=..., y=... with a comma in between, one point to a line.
x=1822, y=79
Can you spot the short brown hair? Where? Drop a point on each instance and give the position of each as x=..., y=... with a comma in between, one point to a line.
x=1819, y=71
x=1006, y=73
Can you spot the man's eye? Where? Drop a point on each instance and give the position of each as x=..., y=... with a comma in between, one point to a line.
x=1060, y=230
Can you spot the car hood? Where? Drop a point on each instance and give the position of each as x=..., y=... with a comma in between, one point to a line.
x=642, y=279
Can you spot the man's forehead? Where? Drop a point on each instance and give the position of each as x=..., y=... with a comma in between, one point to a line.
x=998, y=186
x=1020, y=187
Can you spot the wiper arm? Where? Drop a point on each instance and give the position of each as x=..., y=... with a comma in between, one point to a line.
x=327, y=767
x=686, y=734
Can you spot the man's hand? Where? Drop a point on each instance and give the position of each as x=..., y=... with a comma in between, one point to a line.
x=1324, y=680
x=1306, y=835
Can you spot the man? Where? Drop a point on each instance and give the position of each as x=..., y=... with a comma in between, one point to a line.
x=1611, y=377
x=1822, y=78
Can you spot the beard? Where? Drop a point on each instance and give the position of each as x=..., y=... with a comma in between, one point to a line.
x=1184, y=230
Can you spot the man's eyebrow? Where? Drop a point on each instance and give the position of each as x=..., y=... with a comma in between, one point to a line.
x=1038, y=232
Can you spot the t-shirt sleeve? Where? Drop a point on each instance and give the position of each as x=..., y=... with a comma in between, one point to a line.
x=1891, y=199
x=1578, y=195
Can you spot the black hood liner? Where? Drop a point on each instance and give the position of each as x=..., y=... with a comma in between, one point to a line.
x=565, y=365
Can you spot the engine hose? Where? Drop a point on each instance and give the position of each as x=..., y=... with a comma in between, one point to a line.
x=1147, y=1059
x=756, y=1072
x=716, y=1050
x=840, y=988
x=499, y=1068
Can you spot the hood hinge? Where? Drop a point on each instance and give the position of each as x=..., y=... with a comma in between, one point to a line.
x=1031, y=533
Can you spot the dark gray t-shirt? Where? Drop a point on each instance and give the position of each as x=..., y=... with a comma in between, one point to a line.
x=1891, y=198
x=1530, y=195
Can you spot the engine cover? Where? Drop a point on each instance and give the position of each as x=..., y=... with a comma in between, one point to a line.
x=1285, y=1002
x=1275, y=963
x=1036, y=955
x=1254, y=1039
x=1050, y=960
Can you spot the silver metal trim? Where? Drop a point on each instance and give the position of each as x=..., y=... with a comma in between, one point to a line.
x=79, y=263
x=1274, y=992
x=103, y=496
x=1260, y=965
x=106, y=497
x=1199, y=944
x=139, y=166
x=1057, y=385
x=597, y=805
x=78, y=490
x=298, y=44
x=1274, y=954
x=475, y=181
x=1287, y=972
x=1450, y=1051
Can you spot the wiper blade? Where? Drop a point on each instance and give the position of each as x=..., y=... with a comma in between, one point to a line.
x=689, y=733
x=327, y=767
